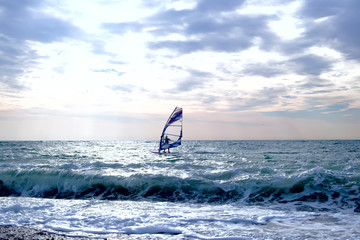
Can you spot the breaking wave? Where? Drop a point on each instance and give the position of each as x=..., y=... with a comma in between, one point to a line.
x=313, y=186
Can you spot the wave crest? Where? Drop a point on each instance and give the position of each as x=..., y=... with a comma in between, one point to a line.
x=313, y=186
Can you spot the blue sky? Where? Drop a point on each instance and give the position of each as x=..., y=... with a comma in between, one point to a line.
x=106, y=69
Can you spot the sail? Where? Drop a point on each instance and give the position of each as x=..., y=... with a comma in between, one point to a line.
x=172, y=133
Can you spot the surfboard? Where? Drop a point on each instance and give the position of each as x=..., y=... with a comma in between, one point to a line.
x=160, y=152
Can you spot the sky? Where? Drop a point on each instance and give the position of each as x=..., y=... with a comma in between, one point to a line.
x=240, y=69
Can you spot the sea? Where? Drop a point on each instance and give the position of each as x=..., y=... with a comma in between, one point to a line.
x=201, y=190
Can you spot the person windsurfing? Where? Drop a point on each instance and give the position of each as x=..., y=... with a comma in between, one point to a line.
x=173, y=127
x=167, y=140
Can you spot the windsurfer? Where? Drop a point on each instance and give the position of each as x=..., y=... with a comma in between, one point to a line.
x=167, y=140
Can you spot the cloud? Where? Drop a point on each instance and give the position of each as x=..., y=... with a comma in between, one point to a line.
x=15, y=58
x=310, y=64
x=262, y=98
x=21, y=22
x=315, y=82
x=270, y=69
x=335, y=113
x=204, y=28
x=122, y=88
x=218, y=6
x=326, y=24
x=196, y=79
x=24, y=20
x=229, y=33
x=99, y=48
x=332, y=23
x=127, y=88
x=121, y=28
x=321, y=8
x=108, y=70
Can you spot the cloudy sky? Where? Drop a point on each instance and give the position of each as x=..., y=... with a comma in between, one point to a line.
x=241, y=69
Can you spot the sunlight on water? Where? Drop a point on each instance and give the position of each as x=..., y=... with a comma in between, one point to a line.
x=203, y=189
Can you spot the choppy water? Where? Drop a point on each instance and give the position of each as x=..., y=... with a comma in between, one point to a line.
x=202, y=190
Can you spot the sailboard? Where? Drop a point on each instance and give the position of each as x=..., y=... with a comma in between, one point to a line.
x=172, y=132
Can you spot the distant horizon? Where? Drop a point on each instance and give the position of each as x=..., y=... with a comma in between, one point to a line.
x=154, y=140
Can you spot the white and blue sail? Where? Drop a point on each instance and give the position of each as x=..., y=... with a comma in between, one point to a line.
x=172, y=132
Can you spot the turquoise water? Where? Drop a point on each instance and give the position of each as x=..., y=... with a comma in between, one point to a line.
x=202, y=190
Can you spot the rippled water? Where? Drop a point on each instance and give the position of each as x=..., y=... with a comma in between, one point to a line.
x=203, y=189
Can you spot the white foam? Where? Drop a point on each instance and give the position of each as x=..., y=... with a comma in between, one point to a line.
x=153, y=229
x=183, y=220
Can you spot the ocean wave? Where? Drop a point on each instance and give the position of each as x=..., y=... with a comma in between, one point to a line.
x=315, y=186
